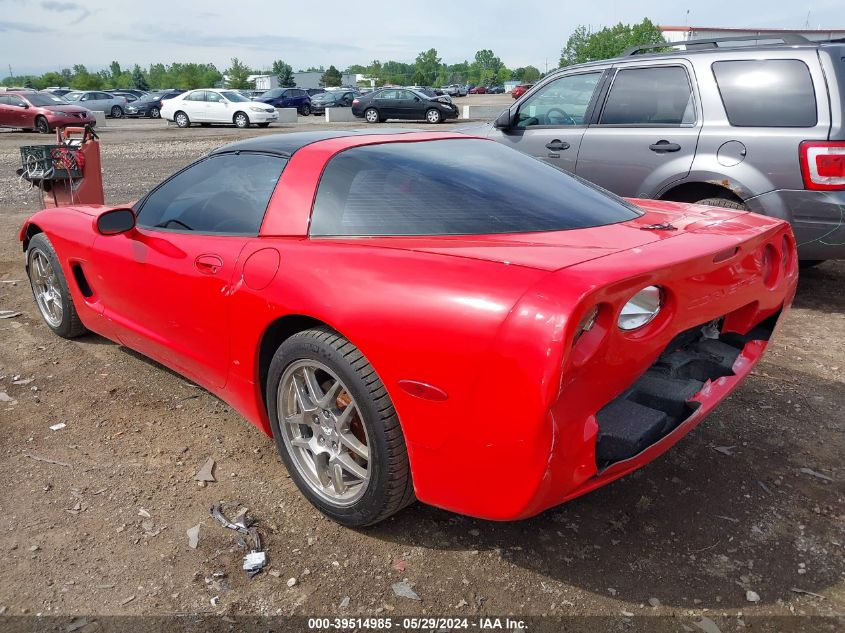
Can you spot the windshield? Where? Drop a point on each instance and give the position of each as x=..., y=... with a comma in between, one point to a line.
x=454, y=187
x=40, y=100
x=272, y=94
x=72, y=96
x=234, y=96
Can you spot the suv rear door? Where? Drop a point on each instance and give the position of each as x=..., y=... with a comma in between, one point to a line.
x=645, y=133
x=551, y=121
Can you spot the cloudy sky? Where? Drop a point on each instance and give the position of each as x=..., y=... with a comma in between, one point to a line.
x=41, y=35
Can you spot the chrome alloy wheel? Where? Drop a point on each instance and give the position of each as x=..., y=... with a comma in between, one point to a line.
x=323, y=432
x=371, y=116
x=45, y=285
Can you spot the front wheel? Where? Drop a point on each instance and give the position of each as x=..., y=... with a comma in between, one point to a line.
x=50, y=289
x=371, y=115
x=306, y=110
x=241, y=120
x=182, y=119
x=336, y=429
x=116, y=112
x=42, y=125
x=433, y=116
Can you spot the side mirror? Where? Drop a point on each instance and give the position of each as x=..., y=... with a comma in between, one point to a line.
x=115, y=222
x=505, y=120
x=417, y=99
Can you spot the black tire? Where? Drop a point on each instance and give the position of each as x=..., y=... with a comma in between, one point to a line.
x=432, y=115
x=725, y=203
x=182, y=119
x=116, y=112
x=155, y=113
x=70, y=325
x=241, y=120
x=371, y=115
x=390, y=487
x=810, y=263
x=306, y=110
x=263, y=124
x=41, y=125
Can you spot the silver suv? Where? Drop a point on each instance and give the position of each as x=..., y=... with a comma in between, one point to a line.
x=746, y=127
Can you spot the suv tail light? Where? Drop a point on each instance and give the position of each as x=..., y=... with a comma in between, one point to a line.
x=823, y=164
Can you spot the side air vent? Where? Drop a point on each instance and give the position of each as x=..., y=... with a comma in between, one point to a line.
x=81, y=281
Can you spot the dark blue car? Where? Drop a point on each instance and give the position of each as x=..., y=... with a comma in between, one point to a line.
x=288, y=98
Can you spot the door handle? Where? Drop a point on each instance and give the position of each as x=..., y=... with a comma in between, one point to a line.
x=557, y=145
x=208, y=264
x=661, y=147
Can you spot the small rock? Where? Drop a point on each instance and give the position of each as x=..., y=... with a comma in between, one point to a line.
x=193, y=536
x=344, y=603
x=654, y=602
x=275, y=573
x=752, y=596
x=403, y=590
x=291, y=582
x=707, y=625
x=399, y=564
x=34, y=548
x=144, y=513
x=126, y=601
x=206, y=473
x=215, y=601
x=611, y=591
x=462, y=603
x=475, y=532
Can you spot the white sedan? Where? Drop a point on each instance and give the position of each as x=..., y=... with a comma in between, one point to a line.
x=217, y=106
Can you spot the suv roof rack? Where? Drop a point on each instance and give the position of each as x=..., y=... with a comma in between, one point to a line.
x=787, y=39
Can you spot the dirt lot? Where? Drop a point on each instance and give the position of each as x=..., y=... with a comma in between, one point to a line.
x=103, y=532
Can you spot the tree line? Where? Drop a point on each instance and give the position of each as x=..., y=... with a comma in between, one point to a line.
x=427, y=69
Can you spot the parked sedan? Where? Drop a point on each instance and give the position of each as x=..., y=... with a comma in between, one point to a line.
x=40, y=111
x=98, y=101
x=496, y=90
x=147, y=106
x=332, y=99
x=217, y=106
x=402, y=103
x=288, y=98
x=425, y=315
x=520, y=90
x=478, y=90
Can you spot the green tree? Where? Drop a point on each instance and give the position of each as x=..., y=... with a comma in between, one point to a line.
x=238, y=74
x=83, y=80
x=138, y=78
x=284, y=73
x=331, y=78
x=114, y=77
x=586, y=46
x=486, y=67
x=530, y=74
x=427, y=65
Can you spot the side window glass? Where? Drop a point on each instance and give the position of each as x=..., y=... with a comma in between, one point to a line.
x=561, y=103
x=649, y=96
x=222, y=194
x=213, y=97
x=86, y=97
x=767, y=92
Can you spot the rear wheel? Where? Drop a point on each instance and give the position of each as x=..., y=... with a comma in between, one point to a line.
x=50, y=289
x=725, y=203
x=116, y=112
x=336, y=429
x=306, y=110
x=155, y=113
x=433, y=116
x=241, y=120
x=371, y=115
x=182, y=119
x=42, y=125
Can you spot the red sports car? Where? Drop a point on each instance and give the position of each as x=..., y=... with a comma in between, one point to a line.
x=40, y=111
x=425, y=315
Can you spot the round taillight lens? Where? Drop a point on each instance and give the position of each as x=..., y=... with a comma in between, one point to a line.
x=641, y=309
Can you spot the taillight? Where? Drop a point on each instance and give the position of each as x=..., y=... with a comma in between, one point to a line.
x=823, y=164
x=354, y=101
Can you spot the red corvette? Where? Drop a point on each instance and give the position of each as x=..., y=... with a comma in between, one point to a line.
x=425, y=315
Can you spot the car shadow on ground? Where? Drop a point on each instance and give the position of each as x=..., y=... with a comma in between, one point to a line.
x=820, y=287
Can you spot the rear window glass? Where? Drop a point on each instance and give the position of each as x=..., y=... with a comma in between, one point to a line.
x=454, y=187
x=767, y=92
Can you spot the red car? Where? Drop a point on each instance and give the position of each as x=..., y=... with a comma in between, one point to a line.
x=40, y=111
x=407, y=319
x=520, y=90
x=478, y=90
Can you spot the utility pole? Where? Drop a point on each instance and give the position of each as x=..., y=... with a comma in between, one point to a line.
x=10, y=71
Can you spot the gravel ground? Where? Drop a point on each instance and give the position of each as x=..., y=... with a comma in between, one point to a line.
x=725, y=533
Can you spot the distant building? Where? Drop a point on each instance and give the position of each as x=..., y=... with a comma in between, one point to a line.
x=302, y=80
x=265, y=82
x=683, y=33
